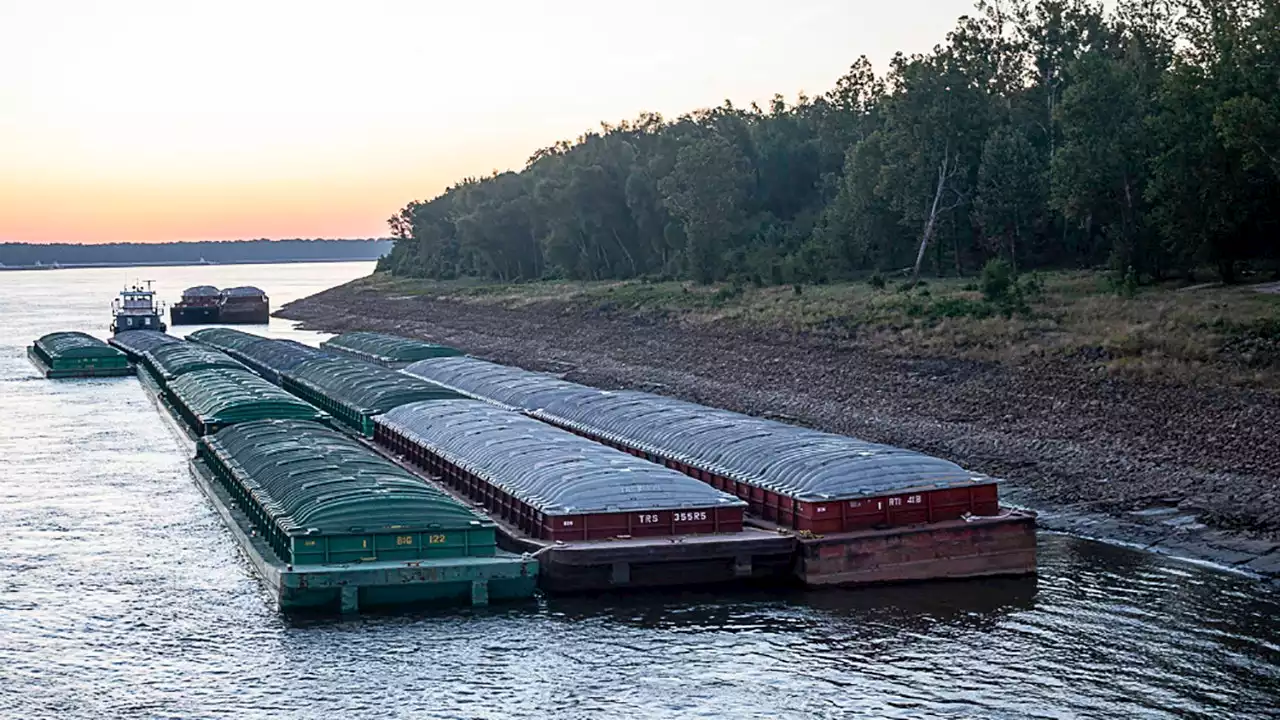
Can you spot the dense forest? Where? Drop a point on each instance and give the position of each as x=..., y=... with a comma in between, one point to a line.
x=230, y=251
x=1145, y=139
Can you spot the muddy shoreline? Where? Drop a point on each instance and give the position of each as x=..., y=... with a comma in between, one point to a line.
x=1192, y=471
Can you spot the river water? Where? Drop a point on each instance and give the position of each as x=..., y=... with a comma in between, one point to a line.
x=122, y=596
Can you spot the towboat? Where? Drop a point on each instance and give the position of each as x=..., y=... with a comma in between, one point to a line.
x=136, y=309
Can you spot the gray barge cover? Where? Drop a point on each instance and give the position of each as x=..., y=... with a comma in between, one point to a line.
x=794, y=461
x=552, y=470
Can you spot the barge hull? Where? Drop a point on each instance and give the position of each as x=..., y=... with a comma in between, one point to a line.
x=755, y=556
x=1003, y=545
x=82, y=372
x=193, y=315
x=259, y=315
x=351, y=587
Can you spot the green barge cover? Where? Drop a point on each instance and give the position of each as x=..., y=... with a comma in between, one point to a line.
x=169, y=361
x=76, y=354
x=319, y=497
x=354, y=391
x=389, y=350
x=224, y=339
x=209, y=400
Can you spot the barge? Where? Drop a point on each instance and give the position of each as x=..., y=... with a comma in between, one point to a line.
x=316, y=513
x=861, y=512
x=77, y=355
x=245, y=305
x=211, y=399
x=198, y=306
x=387, y=350
x=136, y=343
x=330, y=526
x=354, y=391
x=267, y=357
x=596, y=519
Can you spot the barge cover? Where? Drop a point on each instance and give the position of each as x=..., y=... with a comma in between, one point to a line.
x=551, y=483
x=212, y=399
x=389, y=350
x=170, y=360
x=333, y=523
x=77, y=354
x=354, y=391
x=135, y=343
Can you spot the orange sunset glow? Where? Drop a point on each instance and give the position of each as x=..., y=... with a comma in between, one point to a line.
x=160, y=121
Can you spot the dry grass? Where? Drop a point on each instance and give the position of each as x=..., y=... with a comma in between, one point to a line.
x=1229, y=334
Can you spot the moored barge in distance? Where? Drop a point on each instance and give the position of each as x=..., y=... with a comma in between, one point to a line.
x=388, y=350
x=246, y=305
x=862, y=512
x=330, y=525
x=198, y=306
x=596, y=518
x=77, y=355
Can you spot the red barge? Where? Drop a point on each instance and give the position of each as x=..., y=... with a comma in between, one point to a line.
x=595, y=518
x=859, y=512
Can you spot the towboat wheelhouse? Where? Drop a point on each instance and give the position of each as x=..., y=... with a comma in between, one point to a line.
x=136, y=309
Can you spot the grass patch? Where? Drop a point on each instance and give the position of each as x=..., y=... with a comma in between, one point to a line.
x=1230, y=333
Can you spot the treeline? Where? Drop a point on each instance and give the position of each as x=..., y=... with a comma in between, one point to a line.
x=1052, y=134
x=232, y=251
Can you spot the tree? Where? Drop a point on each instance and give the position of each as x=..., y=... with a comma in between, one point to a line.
x=705, y=191
x=1011, y=191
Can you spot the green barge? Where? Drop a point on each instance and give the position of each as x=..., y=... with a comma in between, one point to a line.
x=77, y=355
x=331, y=526
x=328, y=524
x=390, y=351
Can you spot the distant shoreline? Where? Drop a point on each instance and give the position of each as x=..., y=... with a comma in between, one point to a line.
x=180, y=263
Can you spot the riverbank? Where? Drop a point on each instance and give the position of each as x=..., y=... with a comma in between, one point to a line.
x=1148, y=420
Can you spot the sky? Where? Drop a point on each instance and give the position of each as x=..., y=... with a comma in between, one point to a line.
x=171, y=120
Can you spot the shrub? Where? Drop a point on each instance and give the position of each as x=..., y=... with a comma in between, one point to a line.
x=998, y=282
x=797, y=289
x=876, y=281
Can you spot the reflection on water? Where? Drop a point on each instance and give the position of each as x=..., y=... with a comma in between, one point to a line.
x=121, y=595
